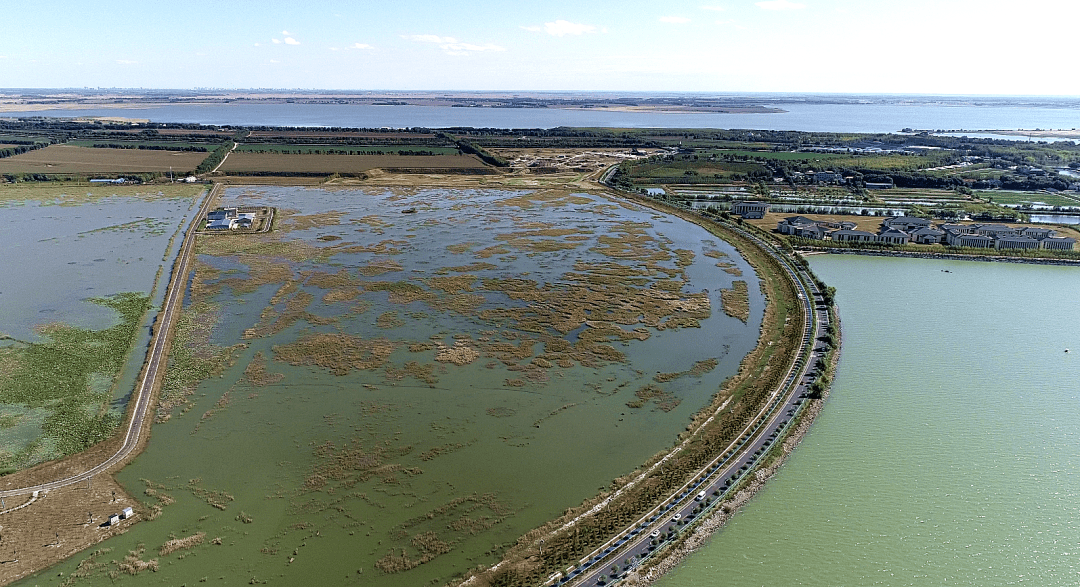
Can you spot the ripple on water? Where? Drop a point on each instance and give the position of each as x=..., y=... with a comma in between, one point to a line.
x=947, y=452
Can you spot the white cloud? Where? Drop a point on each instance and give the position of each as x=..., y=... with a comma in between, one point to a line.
x=429, y=39
x=257, y=45
x=286, y=33
x=713, y=8
x=276, y=41
x=274, y=61
x=780, y=5
x=451, y=45
x=291, y=41
x=360, y=46
x=674, y=19
x=561, y=28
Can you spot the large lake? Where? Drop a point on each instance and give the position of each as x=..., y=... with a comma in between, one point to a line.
x=874, y=117
x=947, y=453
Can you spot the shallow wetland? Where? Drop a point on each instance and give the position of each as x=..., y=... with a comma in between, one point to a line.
x=393, y=386
x=81, y=267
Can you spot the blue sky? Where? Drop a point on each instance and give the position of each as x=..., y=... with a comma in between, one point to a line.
x=891, y=46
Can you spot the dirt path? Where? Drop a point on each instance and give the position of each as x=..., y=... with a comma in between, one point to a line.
x=75, y=489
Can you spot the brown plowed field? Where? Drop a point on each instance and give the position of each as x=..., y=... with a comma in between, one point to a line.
x=240, y=162
x=70, y=159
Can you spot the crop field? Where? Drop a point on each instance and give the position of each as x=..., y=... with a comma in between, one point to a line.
x=892, y=162
x=329, y=164
x=339, y=149
x=64, y=159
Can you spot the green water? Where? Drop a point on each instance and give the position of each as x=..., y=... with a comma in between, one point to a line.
x=58, y=253
x=332, y=473
x=948, y=451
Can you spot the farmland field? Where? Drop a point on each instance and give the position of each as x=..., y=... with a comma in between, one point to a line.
x=281, y=163
x=68, y=159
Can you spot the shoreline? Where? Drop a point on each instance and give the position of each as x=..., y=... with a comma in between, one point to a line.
x=710, y=526
x=940, y=256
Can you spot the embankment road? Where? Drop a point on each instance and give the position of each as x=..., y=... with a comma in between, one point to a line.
x=153, y=367
x=695, y=499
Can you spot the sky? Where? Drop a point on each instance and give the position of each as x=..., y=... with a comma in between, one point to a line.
x=828, y=46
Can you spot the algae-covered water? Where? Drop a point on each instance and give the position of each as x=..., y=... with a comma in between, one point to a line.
x=406, y=382
x=947, y=452
x=78, y=271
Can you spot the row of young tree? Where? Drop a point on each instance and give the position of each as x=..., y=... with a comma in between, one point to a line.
x=145, y=147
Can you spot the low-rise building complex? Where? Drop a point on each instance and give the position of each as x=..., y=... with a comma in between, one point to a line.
x=900, y=230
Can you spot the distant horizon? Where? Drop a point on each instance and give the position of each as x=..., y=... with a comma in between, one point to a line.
x=724, y=93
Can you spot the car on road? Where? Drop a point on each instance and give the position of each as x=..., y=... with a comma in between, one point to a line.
x=676, y=517
x=655, y=534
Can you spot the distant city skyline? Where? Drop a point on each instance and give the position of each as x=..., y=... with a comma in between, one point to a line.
x=789, y=46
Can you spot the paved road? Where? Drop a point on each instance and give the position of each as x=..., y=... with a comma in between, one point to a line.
x=709, y=485
x=155, y=361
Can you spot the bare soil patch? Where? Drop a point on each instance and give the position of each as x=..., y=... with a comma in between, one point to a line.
x=71, y=159
x=58, y=525
x=329, y=164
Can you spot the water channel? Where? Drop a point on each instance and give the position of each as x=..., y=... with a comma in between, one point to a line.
x=947, y=453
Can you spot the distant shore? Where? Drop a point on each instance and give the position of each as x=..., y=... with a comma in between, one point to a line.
x=1040, y=133
x=13, y=103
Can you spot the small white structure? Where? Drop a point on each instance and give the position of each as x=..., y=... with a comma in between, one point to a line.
x=127, y=513
x=114, y=519
x=228, y=219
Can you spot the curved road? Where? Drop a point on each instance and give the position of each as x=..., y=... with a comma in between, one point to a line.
x=712, y=483
x=155, y=361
